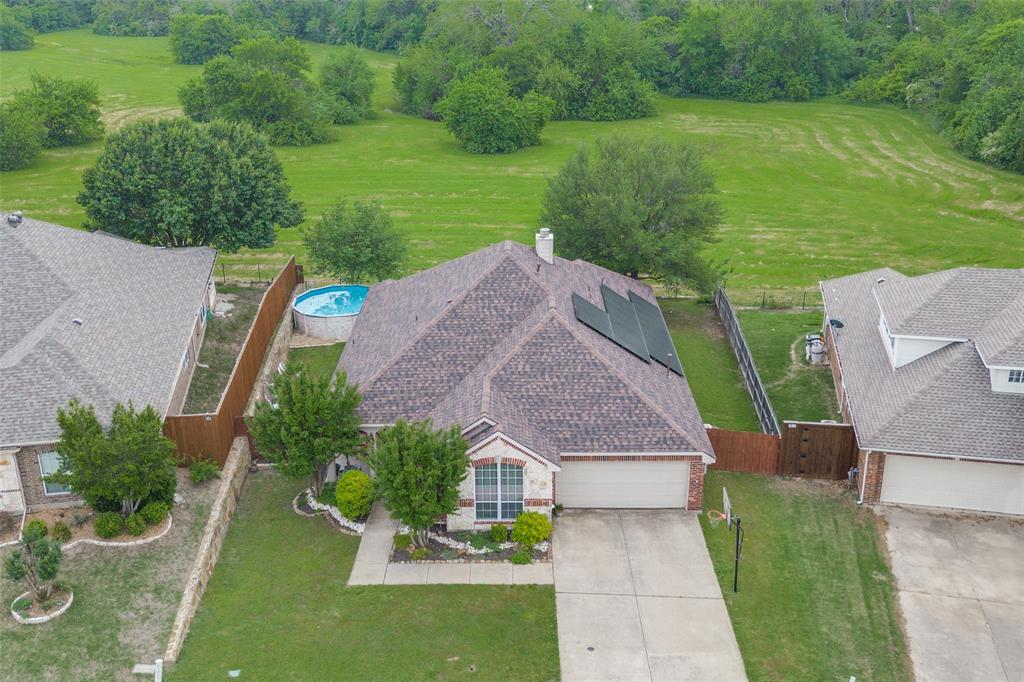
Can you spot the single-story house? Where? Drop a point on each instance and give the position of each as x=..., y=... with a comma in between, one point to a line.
x=91, y=316
x=561, y=374
x=930, y=372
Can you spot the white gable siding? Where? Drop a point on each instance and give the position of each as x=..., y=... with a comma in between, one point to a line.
x=1001, y=381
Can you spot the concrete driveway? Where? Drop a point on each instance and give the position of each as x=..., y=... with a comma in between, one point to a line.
x=637, y=599
x=961, y=588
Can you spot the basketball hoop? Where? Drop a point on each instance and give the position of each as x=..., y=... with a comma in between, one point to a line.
x=715, y=517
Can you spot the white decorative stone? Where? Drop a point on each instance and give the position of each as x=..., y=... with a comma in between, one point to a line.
x=354, y=526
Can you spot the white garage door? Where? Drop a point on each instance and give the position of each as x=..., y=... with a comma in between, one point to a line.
x=628, y=485
x=932, y=482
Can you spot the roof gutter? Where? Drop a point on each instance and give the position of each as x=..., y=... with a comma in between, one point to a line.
x=943, y=455
x=864, y=476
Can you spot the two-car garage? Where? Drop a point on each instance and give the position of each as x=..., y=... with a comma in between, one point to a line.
x=956, y=484
x=636, y=484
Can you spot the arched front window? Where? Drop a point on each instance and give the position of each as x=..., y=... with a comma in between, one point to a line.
x=499, y=492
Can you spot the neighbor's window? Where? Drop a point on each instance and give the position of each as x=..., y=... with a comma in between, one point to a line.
x=202, y=315
x=499, y=492
x=48, y=464
x=1017, y=376
x=186, y=360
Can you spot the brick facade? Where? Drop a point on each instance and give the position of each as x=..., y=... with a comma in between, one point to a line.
x=872, y=470
x=32, y=481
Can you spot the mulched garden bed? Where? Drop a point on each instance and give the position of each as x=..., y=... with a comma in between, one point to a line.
x=440, y=553
x=58, y=597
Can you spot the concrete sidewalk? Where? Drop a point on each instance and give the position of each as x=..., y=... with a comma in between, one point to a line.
x=371, y=566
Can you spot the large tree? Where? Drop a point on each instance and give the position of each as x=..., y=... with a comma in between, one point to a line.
x=14, y=35
x=68, y=107
x=419, y=471
x=21, y=135
x=174, y=183
x=312, y=423
x=128, y=463
x=197, y=38
x=347, y=79
x=356, y=244
x=642, y=207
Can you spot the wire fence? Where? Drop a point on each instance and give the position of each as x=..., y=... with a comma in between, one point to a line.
x=763, y=406
x=246, y=273
x=777, y=299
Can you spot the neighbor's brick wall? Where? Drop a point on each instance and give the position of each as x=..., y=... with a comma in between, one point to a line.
x=32, y=481
x=837, y=374
x=538, y=491
x=871, y=476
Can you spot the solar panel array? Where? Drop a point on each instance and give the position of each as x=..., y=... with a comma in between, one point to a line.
x=634, y=323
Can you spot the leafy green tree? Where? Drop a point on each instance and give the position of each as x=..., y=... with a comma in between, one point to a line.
x=419, y=471
x=645, y=208
x=423, y=75
x=69, y=108
x=129, y=462
x=356, y=244
x=347, y=79
x=482, y=114
x=197, y=38
x=21, y=134
x=44, y=16
x=36, y=561
x=311, y=425
x=133, y=17
x=264, y=82
x=14, y=35
x=173, y=183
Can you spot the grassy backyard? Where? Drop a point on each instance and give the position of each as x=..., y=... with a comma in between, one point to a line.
x=810, y=190
x=816, y=599
x=318, y=360
x=797, y=390
x=278, y=608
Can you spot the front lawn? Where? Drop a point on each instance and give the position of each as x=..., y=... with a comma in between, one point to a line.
x=798, y=391
x=816, y=600
x=278, y=608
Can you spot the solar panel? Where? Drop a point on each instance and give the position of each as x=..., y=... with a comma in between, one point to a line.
x=659, y=341
x=592, y=316
x=625, y=326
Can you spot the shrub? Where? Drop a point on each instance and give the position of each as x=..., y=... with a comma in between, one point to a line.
x=403, y=541
x=154, y=512
x=521, y=557
x=329, y=495
x=36, y=528
x=21, y=135
x=14, y=35
x=135, y=524
x=531, y=528
x=355, y=494
x=108, y=524
x=22, y=604
x=203, y=470
x=420, y=554
x=80, y=519
x=61, y=532
x=482, y=541
x=499, y=533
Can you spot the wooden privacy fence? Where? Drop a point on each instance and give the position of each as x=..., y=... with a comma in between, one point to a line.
x=805, y=449
x=210, y=435
x=763, y=406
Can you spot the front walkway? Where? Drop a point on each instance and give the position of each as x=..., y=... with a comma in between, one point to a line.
x=637, y=599
x=371, y=566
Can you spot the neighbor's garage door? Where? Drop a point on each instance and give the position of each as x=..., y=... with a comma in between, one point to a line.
x=933, y=482
x=623, y=484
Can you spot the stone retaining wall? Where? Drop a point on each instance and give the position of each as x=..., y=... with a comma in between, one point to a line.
x=232, y=477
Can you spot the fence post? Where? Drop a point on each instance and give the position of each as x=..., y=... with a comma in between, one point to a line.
x=223, y=274
x=803, y=304
x=764, y=299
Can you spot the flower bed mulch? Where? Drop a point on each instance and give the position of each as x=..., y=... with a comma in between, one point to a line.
x=440, y=553
x=58, y=598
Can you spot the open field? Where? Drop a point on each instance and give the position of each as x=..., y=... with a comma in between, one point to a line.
x=816, y=598
x=278, y=608
x=811, y=190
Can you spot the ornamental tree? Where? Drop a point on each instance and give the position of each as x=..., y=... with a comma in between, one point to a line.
x=419, y=471
x=174, y=183
x=356, y=244
x=644, y=208
x=36, y=561
x=128, y=463
x=313, y=423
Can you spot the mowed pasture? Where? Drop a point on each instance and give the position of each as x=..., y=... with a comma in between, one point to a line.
x=810, y=190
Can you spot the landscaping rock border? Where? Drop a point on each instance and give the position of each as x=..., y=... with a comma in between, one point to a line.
x=121, y=543
x=40, y=619
x=344, y=524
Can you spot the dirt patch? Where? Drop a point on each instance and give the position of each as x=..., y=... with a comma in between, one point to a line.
x=810, y=486
x=113, y=120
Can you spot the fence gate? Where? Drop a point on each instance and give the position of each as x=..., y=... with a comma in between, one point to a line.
x=815, y=450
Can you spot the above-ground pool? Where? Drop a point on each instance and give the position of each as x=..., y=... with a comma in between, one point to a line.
x=329, y=312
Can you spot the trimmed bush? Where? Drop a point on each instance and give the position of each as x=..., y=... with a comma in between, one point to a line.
x=203, y=470
x=499, y=533
x=135, y=524
x=420, y=554
x=154, y=512
x=521, y=557
x=61, y=532
x=107, y=524
x=403, y=541
x=531, y=528
x=354, y=494
x=36, y=528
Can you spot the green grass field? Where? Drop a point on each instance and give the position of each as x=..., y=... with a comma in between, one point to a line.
x=811, y=190
x=816, y=598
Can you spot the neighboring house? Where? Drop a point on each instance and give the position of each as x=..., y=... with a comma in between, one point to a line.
x=94, y=317
x=555, y=411
x=930, y=372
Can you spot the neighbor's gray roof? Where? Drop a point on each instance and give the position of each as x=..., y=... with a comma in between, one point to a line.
x=493, y=334
x=942, y=403
x=137, y=304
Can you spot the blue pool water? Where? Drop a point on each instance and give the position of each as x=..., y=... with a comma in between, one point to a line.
x=332, y=301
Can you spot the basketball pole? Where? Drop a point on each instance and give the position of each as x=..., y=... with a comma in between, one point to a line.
x=736, y=564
